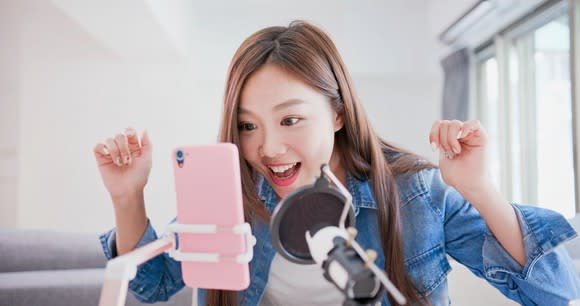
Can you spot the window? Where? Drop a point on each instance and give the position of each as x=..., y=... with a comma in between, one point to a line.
x=535, y=108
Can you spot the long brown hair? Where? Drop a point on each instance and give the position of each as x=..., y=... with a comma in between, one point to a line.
x=307, y=52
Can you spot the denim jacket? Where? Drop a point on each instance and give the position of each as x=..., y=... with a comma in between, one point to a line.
x=436, y=221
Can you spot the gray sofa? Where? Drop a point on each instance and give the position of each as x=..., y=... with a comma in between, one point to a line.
x=53, y=268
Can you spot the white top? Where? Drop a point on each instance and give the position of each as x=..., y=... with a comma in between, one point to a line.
x=292, y=284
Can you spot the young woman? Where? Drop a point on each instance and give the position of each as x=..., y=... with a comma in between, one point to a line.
x=290, y=106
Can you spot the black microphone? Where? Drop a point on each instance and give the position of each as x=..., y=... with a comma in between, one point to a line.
x=315, y=224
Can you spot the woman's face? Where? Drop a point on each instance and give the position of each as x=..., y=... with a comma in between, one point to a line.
x=286, y=129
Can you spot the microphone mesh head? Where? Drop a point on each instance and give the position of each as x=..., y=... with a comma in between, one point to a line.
x=308, y=212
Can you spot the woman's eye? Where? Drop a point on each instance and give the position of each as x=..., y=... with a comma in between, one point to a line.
x=290, y=121
x=246, y=126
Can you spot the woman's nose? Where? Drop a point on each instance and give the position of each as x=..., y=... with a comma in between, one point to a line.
x=272, y=146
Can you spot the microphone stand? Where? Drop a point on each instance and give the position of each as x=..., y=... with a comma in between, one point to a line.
x=346, y=265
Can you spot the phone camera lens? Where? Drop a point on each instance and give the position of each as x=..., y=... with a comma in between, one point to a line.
x=180, y=156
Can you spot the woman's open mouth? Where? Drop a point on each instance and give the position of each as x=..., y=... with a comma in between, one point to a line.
x=284, y=175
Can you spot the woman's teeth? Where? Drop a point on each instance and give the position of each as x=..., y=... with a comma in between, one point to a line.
x=281, y=169
x=286, y=171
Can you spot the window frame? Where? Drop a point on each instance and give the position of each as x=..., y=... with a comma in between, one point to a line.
x=574, y=23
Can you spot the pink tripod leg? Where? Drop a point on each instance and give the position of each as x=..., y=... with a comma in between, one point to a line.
x=122, y=269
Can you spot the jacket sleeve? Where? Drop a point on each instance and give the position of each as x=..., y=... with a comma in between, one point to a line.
x=549, y=276
x=157, y=279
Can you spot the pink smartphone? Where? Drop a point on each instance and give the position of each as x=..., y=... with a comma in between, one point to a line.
x=209, y=192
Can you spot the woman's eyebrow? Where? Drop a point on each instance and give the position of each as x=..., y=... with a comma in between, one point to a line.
x=277, y=107
x=288, y=103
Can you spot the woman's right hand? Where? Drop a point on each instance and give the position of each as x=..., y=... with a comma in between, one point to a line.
x=124, y=163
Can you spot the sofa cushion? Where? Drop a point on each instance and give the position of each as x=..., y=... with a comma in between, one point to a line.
x=64, y=287
x=61, y=287
x=30, y=250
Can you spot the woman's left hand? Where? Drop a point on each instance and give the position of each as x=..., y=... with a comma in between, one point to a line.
x=462, y=147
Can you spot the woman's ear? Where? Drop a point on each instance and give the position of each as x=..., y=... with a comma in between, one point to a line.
x=338, y=122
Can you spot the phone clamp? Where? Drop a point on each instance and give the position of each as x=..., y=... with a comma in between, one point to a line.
x=240, y=229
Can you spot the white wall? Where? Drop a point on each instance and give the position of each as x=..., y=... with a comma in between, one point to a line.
x=9, y=113
x=74, y=89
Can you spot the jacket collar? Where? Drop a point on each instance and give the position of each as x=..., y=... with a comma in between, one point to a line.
x=359, y=189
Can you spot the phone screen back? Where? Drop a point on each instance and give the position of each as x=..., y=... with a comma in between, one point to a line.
x=208, y=191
